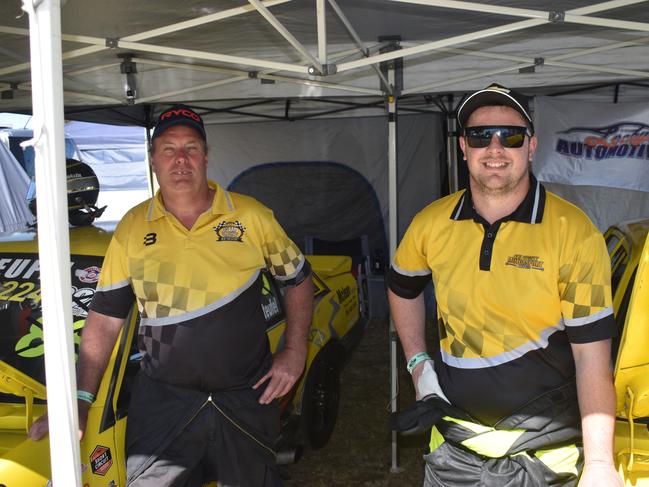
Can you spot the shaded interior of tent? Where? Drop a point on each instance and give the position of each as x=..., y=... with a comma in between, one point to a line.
x=327, y=97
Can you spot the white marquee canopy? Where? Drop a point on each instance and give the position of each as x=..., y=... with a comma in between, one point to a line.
x=213, y=52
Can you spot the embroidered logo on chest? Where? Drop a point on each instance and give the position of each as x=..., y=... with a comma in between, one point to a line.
x=230, y=231
x=525, y=262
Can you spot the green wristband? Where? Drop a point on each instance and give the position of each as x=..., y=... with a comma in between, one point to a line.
x=416, y=359
x=86, y=396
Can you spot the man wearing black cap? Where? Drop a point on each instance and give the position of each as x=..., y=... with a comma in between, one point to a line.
x=522, y=283
x=194, y=258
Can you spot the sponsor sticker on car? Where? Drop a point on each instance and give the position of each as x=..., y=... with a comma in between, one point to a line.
x=89, y=274
x=101, y=460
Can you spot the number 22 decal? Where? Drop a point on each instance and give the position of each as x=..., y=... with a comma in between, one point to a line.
x=25, y=290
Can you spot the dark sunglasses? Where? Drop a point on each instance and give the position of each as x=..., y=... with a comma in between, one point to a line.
x=510, y=136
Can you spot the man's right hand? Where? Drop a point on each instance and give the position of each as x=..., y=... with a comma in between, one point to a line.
x=41, y=427
x=425, y=379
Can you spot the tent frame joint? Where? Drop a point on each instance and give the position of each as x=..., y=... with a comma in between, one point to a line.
x=556, y=16
x=327, y=70
x=112, y=42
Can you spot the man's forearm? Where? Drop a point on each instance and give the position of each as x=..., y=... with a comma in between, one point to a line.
x=596, y=400
x=97, y=341
x=409, y=317
x=298, y=301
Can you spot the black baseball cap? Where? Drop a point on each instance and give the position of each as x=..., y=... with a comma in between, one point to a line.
x=179, y=115
x=494, y=95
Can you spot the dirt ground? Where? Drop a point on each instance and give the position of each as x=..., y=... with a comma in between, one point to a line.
x=359, y=451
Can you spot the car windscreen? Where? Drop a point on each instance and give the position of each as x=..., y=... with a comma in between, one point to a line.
x=21, y=320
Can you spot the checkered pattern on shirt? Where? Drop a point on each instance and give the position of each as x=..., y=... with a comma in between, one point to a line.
x=158, y=342
x=162, y=291
x=580, y=297
x=282, y=258
x=465, y=333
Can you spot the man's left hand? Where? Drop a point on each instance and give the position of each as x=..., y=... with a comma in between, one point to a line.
x=287, y=368
x=600, y=475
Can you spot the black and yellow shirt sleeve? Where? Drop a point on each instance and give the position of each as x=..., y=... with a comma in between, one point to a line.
x=585, y=289
x=283, y=258
x=410, y=271
x=114, y=295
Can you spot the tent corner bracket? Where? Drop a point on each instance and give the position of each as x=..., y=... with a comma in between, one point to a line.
x=327, y=70
x=556, y=16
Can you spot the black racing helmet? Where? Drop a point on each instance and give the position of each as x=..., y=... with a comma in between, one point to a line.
x=83, y=191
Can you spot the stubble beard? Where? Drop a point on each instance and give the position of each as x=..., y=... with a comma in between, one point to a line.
x=506, y=187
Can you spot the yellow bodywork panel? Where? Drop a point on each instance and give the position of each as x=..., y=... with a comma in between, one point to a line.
x=632, y=364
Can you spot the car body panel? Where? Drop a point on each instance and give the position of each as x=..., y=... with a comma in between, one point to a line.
x=629, y=251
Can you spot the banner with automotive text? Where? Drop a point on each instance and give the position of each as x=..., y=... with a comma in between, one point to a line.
x=594, y=144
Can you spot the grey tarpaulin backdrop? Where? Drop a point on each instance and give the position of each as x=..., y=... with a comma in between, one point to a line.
x=360, y=143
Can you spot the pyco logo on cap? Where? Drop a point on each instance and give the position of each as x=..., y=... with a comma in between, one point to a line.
x=180, y=111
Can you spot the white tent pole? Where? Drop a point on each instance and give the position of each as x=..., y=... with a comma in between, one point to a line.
x=392, y=230
x=516, y=67
x=480, y=7
x=321, y=13
x=100, y=44
x=99, y=67
x=431, y=46
x=54, y=245
x=86, y=96
x=357, y=40
x=260, y=75
x=556, y=61
x=169, y=94
x=593, y=50
x=446, y=82
x=519, y=12
x=350, y=28
x=206, y=19
x=324, y=84
x=486, y=74
x=524, y=24
x=277, y=25
x=212, y=56
x=570, y=17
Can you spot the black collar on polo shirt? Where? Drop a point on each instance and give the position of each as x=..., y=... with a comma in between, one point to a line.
x=529, y=211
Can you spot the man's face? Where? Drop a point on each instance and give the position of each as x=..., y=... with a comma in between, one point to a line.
x=179, y=160
x=496, y=170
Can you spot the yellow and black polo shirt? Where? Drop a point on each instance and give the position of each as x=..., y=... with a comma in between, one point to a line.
x=511, y=296
x=199, y=291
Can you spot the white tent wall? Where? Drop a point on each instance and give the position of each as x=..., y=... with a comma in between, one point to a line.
x=605, y=206
x=360, y=143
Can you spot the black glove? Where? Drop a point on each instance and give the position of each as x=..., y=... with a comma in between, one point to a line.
x=421, y=415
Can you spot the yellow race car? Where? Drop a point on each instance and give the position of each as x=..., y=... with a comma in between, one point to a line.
x=308, y=411
x=629, y=251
